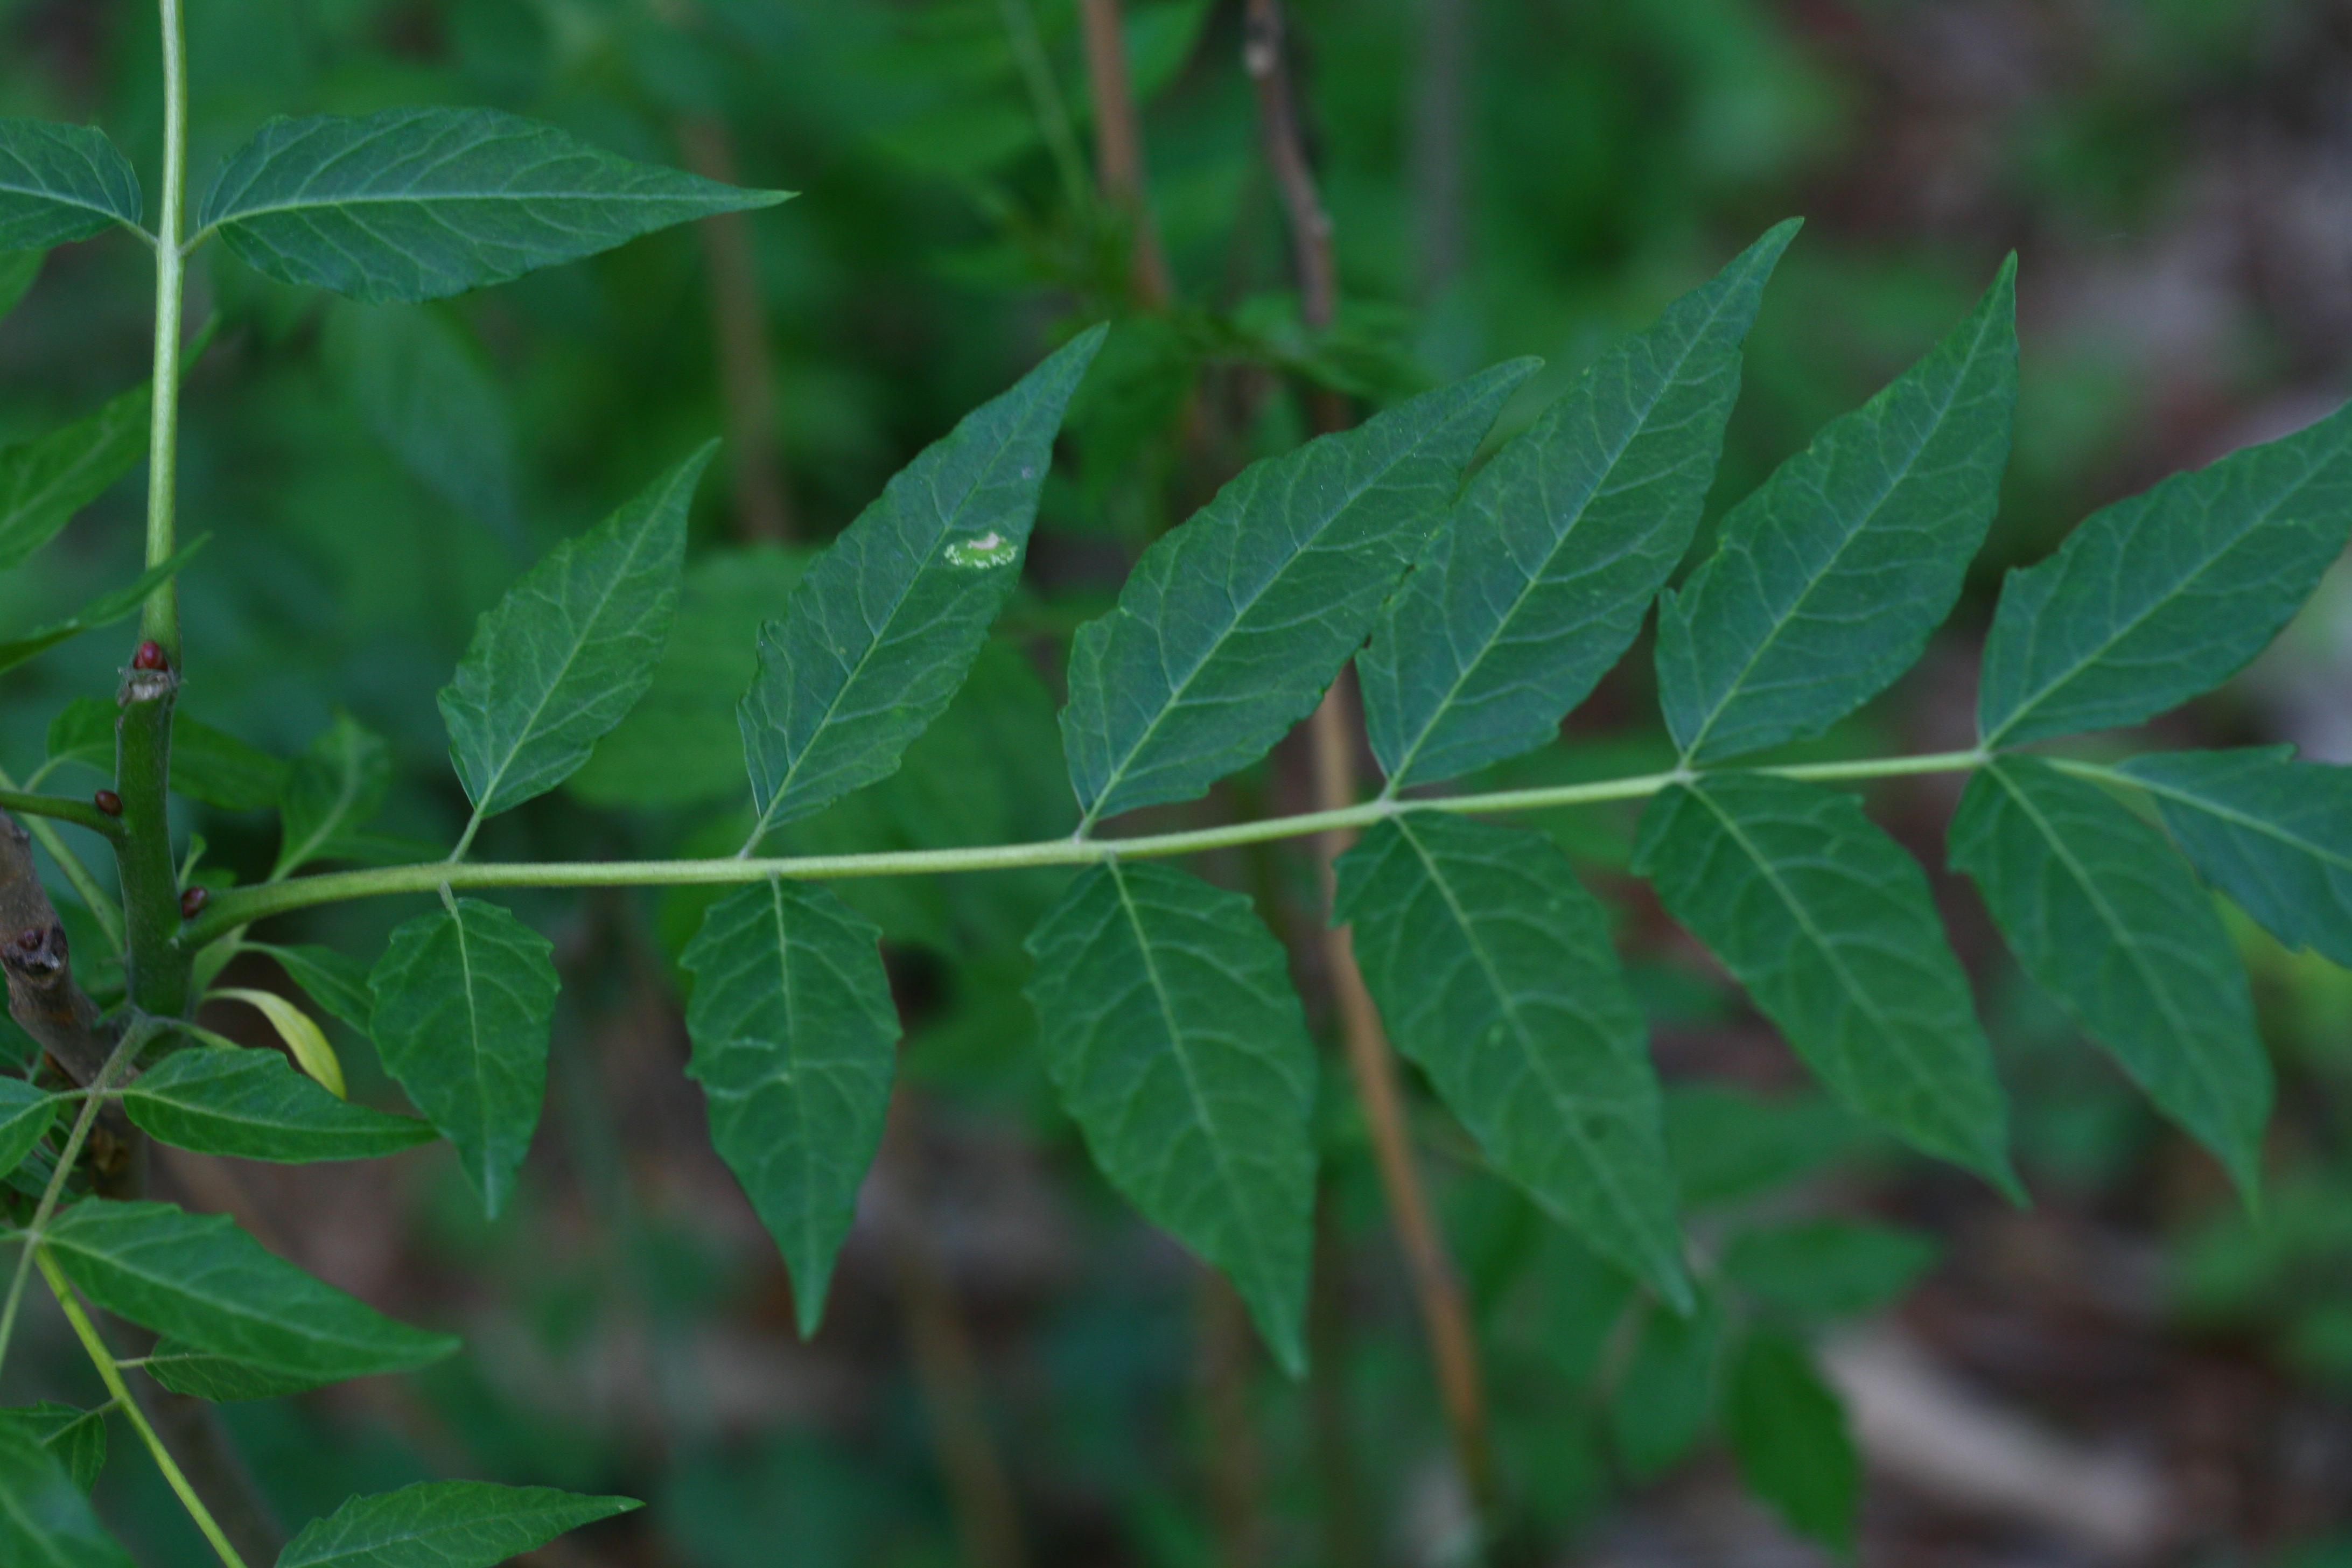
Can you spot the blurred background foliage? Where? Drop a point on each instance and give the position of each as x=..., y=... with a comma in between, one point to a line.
x=1014, y=1370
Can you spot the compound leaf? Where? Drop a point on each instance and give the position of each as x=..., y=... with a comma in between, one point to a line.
x=570, y=649
x=60, y=183
x=44, y=1519
x=1493, y=969
x=1541, y=574
x=2273, y=833
x=253, y=1105
x=1831, y=928
x=45, y=481
x=2168, y=594
x=2103, y=914
x=464, y=1000
x=1229, y=628
x=881, y=628
x=1171, y=1030
x=417, y=204
x=205, y=1282
x=77, y=1438
x=795, y=1041
x=445, y=1524
x=1831, y=575
x=26, y=1115
x=1788, y=1431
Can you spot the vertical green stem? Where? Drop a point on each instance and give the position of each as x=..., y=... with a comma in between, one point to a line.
x=150, y=882
x=110, y=1374
x=162, y=621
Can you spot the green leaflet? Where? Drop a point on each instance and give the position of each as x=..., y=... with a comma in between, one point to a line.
x=252, y=1104
x=881, y=627
x=1542, y=572
x=45, y=481
x=1229, y=628
x=2167, y=595
x=26, y=1115
x=566, y=654
x=416, y=204
x=1829, y=926
x=1170, y=1027
x=77, y=1438
x=419, y=386
x=216, y=767
x=795, y=1040
x=1660, y=1407
x=1493, y=969
x=445, y=1524
x=2273, y=833
x=332, y=790
x=59, y=183
x=1790, y=1434
x=337, y=982
x=2101, y=911
x=680, y=745
x=204, y=1281
x=1827, y=1268
x=221, y=1379
x=464, y=1000
x=19, y=271
x=45, y=1520
x=1832, y=572
x=104, y=610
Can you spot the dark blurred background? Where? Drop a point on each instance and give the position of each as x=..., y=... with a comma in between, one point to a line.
x=1014, y=1370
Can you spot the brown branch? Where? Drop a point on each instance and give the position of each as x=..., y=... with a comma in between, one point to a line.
x=738, y=328
x=42, y=995
x=1236, y=1467
x=1119, y=147
x=1439, y=79
x=1444, y=1312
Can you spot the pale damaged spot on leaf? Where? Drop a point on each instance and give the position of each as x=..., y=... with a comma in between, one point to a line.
x=990, y=549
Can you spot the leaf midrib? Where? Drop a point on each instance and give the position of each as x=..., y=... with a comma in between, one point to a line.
x=580, y=641
x=1878, y=503
x=1176, y=692
x=2025, y=706
x=1238, y=1210
x=1560, y=544
x=1627, y=1211
x=2216, y=1100
x=766, y=821
x=1814, y=933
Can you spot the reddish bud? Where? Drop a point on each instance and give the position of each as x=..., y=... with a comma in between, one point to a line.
x=29, y=938
x=191, y=903
x=106, y=801
x=149, y=656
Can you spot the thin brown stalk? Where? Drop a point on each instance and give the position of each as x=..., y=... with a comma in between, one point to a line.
x=1119, y=147
x=739, y=326
x=1235, y=1464
x=1437, y=1292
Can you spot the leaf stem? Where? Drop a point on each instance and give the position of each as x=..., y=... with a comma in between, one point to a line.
x=140, y=1032
x=81, y=812
x=161, y=620
x=110, y=1372
x=239, y=906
